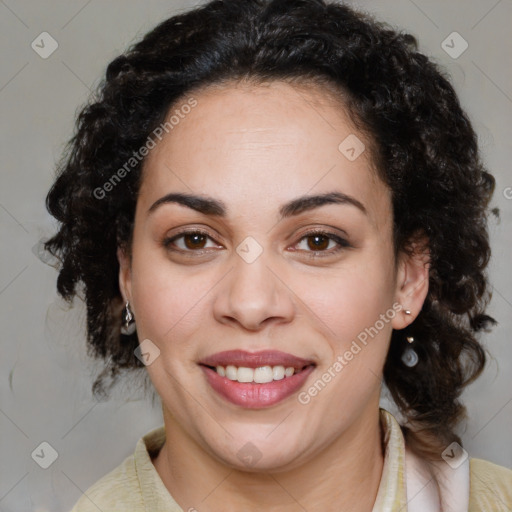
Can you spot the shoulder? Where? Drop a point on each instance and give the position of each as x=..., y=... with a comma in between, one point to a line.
x=119, y=490
x=134, y=485
x=490, y=486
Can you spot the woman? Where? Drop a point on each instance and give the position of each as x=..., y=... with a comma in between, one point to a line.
x=272, y=205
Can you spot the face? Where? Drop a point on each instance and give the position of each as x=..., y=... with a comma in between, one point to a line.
x=260, y=242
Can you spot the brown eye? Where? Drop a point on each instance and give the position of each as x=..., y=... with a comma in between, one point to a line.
x=190, y=242
x=194, y=241
x=318, y=242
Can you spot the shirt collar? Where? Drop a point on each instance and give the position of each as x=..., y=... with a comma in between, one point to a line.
x=155, y=496
x=392, y=492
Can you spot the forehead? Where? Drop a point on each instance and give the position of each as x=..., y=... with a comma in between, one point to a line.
x=263, y=142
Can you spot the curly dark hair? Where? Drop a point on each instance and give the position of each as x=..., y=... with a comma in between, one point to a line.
x=424, y=149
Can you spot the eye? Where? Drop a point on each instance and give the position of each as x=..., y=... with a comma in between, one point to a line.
x=321, y=243
x=315, y=243
x=189, y=241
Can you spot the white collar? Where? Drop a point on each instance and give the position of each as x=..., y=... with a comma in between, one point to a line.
x=423, y=494
x=407, y=483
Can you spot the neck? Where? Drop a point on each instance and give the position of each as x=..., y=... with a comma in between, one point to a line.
x=345, y=475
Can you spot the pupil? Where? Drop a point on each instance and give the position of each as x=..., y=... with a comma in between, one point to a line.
x=194, y=241
x=317, y=244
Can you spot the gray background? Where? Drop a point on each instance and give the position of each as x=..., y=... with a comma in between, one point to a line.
x=44, y=370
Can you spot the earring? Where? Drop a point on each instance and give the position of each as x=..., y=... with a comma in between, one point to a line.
x=410, y=357
x=128, y=326
x=407, y=312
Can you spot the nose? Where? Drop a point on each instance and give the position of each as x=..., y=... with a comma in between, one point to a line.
x=253, y=295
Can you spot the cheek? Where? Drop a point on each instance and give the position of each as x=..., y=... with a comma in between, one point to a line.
x=355, y=312
x=351, y=300
x=166, y=301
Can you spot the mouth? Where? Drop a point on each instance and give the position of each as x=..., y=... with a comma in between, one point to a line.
x=259, y=367
x=259, y=375
x=256, y=380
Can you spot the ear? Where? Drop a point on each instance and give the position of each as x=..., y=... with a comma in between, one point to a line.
x=125, y=274
x=412, y=281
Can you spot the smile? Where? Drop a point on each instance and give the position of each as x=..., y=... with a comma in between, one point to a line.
x=260, y=375
x=256, y=380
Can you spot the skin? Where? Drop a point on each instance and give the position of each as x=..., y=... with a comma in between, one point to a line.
x=255, y=147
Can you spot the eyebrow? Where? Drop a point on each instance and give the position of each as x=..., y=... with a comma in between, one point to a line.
x=210, y=206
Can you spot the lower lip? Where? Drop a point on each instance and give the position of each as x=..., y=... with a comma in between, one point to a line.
x=256, y=396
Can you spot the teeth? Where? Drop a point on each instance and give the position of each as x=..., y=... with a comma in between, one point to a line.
x=260, y=375
x=232, y=372
x=263, y=374
x=245, y=374
x=278, y=372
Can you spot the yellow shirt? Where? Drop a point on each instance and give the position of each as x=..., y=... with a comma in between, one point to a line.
x=135, y=485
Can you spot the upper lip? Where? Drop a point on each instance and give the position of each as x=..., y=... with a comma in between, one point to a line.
x=255, y=359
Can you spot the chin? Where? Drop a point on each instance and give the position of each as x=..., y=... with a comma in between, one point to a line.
x=259, y=453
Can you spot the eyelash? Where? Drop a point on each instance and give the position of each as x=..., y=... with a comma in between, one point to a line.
x=342, y=243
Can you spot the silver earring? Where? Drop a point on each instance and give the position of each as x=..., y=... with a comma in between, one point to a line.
x=128, y=326
x=410, y=357
x=407, y=312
